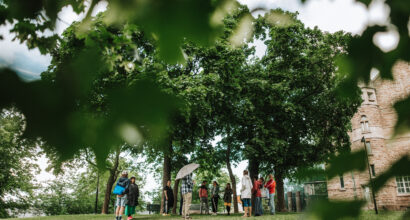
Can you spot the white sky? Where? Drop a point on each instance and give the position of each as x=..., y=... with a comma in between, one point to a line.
x=328, y=15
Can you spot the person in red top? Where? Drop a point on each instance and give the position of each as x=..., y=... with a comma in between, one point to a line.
x=271, y=185
x=256, y=190
x=203, y=197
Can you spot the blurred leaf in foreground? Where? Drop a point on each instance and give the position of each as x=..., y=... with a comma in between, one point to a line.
x=400, y=168
x=324, y=209
x=403, y=112
x=345, y=162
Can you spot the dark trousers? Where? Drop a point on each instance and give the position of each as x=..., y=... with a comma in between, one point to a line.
x=214, y=201
x=167, y=206
x=181, y=202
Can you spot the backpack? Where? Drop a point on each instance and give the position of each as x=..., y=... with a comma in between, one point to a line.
x=118, y=190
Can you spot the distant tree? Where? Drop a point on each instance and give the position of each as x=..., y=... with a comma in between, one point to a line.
x=17, y=164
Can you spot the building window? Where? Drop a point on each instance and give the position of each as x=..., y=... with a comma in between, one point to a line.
x=371, y=97
x=372, y=170
x=368, y=148
x=364, y=124
x=342, y=182
x=403, y=184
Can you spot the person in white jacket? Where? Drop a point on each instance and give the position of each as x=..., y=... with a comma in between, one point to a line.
x=246, y=193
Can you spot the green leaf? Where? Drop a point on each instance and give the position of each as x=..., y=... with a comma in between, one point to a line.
x=402, y=108
x=400, y=168
x=338, y=165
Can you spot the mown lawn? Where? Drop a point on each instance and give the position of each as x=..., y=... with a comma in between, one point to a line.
x=284, y=216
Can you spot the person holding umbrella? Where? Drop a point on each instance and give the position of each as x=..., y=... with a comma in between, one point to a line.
x=185, y=173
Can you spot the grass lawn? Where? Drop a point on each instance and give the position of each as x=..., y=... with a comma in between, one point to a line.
x=282, y=216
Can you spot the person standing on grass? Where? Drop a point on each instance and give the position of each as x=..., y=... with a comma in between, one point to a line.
x=271, y=185
x=168, y=199
x=215, y=197
x=120, y=203
x=228, y=198
x=131, y=202
x=203, y=197
x=256, y=190
x=186, y=189
x=246, y=193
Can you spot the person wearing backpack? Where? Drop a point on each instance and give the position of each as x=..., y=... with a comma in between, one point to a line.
x=203, y=197
x=131, y=202
x=119, y=190
x=271, y=185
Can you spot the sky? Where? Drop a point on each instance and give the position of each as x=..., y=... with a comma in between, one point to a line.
x=327, y=15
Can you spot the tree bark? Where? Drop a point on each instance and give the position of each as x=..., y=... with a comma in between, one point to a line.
x=232, y=177
x=253, y=171
x=280, y=191
x=166, y=172
x=110, y=182
x=176, y=187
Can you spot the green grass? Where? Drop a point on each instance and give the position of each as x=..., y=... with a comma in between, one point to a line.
x=283, y=216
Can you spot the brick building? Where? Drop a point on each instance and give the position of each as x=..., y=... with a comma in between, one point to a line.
x=375, y=120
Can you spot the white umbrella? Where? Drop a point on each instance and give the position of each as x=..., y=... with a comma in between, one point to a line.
x=187, y=169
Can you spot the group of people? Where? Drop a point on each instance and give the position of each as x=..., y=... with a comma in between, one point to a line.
x=187, y=186
x=127, y=200
x=256, y=188
x=203, y=196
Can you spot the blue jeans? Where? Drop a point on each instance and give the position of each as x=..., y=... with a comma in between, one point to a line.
x=272, y=203
x=258, y=206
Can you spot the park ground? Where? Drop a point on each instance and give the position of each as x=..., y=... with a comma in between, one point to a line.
x=285, y=216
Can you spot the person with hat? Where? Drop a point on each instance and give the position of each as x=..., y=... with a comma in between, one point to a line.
x=132, y=193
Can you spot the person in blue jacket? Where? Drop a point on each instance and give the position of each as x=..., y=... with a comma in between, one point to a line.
x=121, y=199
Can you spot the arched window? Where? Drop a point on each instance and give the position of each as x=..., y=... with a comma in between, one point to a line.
x=364, y=124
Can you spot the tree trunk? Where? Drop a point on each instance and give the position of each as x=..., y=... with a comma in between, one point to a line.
x=176, y=187
x=232, y=177
x=253, y=171
x=96, y=193
x=166, y=172
x=280, y=192
x=110, y=182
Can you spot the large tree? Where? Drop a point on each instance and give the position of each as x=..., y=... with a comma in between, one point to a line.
x=296, y=117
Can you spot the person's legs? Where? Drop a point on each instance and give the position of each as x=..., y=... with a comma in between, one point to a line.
x=118, y=205
x=181, y=203
x=250, y=208
x=246, y=205
x=183, y=206
x=272, y=203
x=216, y=204
x=258, y=206
x=206, y=206
x=187, y=204
x=201, y=205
